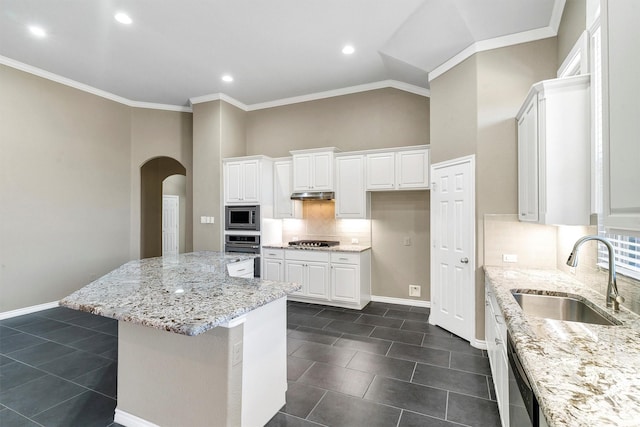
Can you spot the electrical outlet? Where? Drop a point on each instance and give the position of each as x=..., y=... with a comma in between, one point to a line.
x=414, y=290
x=407, y=241
x=236, y=357
x=509, y=258
x=354, y=241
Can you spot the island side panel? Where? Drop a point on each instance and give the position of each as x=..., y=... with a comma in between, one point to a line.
x=170, y=379
x=264, y=377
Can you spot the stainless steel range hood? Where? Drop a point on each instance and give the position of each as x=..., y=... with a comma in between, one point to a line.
x=313, y=195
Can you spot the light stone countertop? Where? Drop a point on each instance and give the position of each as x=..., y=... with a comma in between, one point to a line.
x=582, y=374
x=339, y=248
x=187, y=294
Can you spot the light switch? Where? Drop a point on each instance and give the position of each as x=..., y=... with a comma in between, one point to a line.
x=203, y=220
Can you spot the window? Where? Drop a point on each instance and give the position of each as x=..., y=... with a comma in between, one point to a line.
x=627, y=248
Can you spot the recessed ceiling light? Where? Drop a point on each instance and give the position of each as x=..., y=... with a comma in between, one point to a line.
x=227, y=78
x=348, y=49
x=37, y=31
x=123, y=18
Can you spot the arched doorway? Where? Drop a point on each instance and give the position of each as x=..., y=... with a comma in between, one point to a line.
x=152, y=174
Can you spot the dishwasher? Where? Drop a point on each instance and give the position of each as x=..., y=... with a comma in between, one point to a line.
x=524, y=410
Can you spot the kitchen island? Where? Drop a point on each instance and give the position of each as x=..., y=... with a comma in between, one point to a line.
x=195, y=346
x=582, y=374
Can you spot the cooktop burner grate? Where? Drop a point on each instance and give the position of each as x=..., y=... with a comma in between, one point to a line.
x=314, y=243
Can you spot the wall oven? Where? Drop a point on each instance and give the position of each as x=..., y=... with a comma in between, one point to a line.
x=246, y=244
x=246, y=218
x=523, y=405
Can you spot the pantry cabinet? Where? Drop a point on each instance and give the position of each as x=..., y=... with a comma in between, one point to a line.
x=313, y=169
x=284, y=207
x=621, y=114
x=248, y=180
x=554, y=160
x=334, y=278
x=352, y=201
x=496, y=339
x=405, y=168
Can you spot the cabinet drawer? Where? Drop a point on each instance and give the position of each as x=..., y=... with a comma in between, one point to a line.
x=273, y=253
x=241, y=268
x=306, y=255
x=345, y=258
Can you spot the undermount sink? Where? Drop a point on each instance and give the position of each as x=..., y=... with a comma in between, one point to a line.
x=561, y=308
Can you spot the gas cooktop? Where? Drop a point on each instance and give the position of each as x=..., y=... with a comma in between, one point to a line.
x=314, y=243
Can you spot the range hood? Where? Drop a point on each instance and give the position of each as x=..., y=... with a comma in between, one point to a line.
x=313, y=195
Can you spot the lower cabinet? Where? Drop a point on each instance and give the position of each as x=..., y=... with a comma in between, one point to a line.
x=340, y=279
x=273, y=265
x=496, y=338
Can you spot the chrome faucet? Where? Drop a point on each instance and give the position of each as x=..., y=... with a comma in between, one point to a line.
x=613, y=297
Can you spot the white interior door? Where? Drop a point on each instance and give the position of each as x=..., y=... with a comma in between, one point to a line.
x=453, y=246
x=170, y=224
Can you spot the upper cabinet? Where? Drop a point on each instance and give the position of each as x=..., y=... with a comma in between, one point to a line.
x=352, y=201
x=284, y=207
x=554, y=158
x=313, y=169
x=621, y=113
x=247, y=180
x=398, y=169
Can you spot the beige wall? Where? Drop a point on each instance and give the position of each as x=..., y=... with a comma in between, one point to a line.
x=64, y=188
x=502, y=78
x=158, y=133
x=374, y=119
x=572, y=25
x=394, y=266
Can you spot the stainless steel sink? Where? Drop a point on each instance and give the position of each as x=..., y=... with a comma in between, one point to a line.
x=561, y=308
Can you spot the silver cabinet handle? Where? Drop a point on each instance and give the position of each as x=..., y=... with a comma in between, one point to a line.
x=464, y=260
x=498, y=319
x=498, y=341
x=344, y=259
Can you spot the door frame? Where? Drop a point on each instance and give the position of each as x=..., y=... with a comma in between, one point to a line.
x=471, y=160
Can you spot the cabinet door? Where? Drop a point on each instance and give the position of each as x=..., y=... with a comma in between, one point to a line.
x=322, y=172
x=272, y=270
x=318, y=280
x=528, y=163
x=345, y=282
x=621, y=113
x=233, y=182
x=295, y=272
x=350, y=192
x=250, y=181
x=302, y=172
x=381, y=171
x=284, y=207
x=412, y=169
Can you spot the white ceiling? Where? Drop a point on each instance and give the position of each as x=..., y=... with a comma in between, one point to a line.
x=275, y=49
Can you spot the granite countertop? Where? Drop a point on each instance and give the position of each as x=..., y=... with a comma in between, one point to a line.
x=582, y=374
x=339, y=248
x=187, y=294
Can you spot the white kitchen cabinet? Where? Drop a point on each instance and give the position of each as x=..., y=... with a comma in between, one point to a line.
x=311, y=270
x=248, y=180
x=554, y=160
x=347, y=285
x=352, y=201
x=412, y=169
x=404, y=168
x=284, y=207
x=621, y=114
x=273, y=264
x=496, y=339
x=313, y=169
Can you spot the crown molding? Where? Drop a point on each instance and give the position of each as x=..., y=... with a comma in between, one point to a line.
x=218, y=97
x=86, y=88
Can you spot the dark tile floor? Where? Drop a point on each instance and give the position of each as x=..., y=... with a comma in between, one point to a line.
x=383, y=366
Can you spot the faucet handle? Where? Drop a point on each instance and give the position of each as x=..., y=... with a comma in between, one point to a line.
x=619, y=299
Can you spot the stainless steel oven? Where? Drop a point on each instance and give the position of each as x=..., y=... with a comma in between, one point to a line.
x=245, y=218
x=246, y=244
x=523, y=405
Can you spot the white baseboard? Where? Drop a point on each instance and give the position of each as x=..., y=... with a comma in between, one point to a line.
x=481, y=344
x=401, y=301
x=27, y=310
x=130, y=420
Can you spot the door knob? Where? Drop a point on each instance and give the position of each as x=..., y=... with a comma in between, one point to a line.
x=464, y=260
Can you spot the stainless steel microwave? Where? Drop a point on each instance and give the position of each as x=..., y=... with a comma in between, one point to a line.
x=242, y=218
